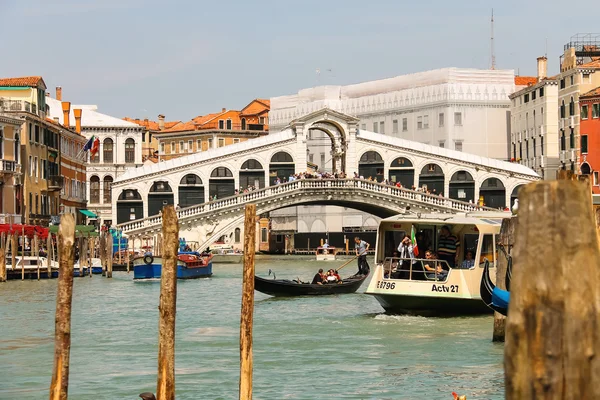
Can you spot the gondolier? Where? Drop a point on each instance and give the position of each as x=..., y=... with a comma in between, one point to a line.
x=361, y=247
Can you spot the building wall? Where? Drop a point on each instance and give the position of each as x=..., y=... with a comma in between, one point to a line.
x=534, y=128
x=177, y=145
x=590, y=128
x=73, y=170
x=9, y=132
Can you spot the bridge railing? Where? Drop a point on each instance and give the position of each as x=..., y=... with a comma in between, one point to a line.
x=249, y=197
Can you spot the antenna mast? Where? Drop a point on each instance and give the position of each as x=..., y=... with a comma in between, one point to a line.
x=492, y=43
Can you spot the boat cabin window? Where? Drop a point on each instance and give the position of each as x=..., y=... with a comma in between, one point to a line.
x=469, y=243
x=392, y=240
x=488, y=251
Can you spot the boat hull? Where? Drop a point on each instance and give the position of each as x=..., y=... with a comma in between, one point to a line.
x=228, y=258
x=30, y=274
x=79, y=273
x=429, y=306
x=286, y=288
x=153, y=271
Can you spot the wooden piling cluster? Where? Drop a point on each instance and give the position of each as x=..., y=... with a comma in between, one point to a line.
x=552, y=330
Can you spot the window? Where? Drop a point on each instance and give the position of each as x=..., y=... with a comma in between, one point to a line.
x=311, y=158
x=572, y=107
x=562, y=83
x=172, y=147
x=107, y=151
x=322, y=160
x=596, y=178
x=419, y=122
x=596, y=110
x=584, y=112
x=181, y=146
x=520, y=150
x=162, y=148
x=562, y=109
x=129, y=151
x=382, y=127
x=457, y=118
x=31, y=140
x=563, y=144
x=261, y=120
x=95, y=189
x=221, y=124
x=264, y=237
x=210, y=143
x=190, y=145
x=375, y=127
x=199, y=145
x=572, y=79
x=35, y=167
x=527, y=148
x=143, y=137
x=243, y=124
x=237, y=235
x=395, y=126
x=426, y=122
x=363, y=127
x=534, y=150
x=228, y=124
x=542, y=145
x=533, y=95
x=37, y=134
x=221, y=142
x=526, y=98
x=404, y=124
x=441, y=119
x=572, y=139
x=584, y=143
x=442, y=144
x=541, y=92
x=108, y=180
x=236, y=140
x=458, y=146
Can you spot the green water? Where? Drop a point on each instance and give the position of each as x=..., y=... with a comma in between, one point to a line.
x=336, y=347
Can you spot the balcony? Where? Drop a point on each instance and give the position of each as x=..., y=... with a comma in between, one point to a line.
x=7, y=105
x=9, y=167
x=55, y=183
x=10, y=218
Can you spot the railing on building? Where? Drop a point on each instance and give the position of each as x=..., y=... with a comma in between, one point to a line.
x=55, y=182
x=10, y=218
x=441, y=203
x=20, y=105
x=214, y=125
x=9, y=166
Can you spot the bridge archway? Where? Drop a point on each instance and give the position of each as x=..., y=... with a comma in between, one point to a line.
x=339, y=145
x=191, y=191
x=402, y=170
x=160, y=195
x=462, y=186
x=493, y=192
x=252, y=173
x=281, y=166
x=130, y=206
x=221, y=183
x=371, y=165
x=432, y=176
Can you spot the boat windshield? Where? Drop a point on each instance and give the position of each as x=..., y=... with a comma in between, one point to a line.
x=416, y=269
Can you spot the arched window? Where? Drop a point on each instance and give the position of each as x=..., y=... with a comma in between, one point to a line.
x=586, y=169
x=108, y=180
x=572, y=107
x=95, y=189
x=281, y=157
x=251, y=164
x=17, y=149
x=371, y=157
x=108, y=151
x=221, y=172
x=243, y=124
x=130, y=151
x=191, y=180
x=237, y=235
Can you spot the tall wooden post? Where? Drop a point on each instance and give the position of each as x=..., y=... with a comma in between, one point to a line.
x=62, y=335
x=247, y=314
x=49, y=254
x=37, y=253
x=13, y=249
x=109, y=255
x=102, y=251
x=506, y=240
x=167, y=307
x=552, y=327
x=3, y=275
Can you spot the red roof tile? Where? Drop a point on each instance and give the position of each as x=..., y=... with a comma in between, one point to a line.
x=171, y=124
x=591, y=93
x=24, y=81
x=202, y=119
x=591, y=64
x=525, y=80
x=151, y=125
x=181, y=127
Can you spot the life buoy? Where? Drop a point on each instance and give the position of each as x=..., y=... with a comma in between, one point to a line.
x=148, y=259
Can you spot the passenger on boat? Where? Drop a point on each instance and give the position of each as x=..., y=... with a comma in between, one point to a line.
x=432, y=266
x=361, y=247
x=332, y=276
x=469, y=262
x=325, y=245
x=406, y=251
x=319, y=278
x=448, y=247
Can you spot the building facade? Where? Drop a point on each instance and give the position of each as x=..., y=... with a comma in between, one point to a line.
x=590, y=136
x=534, y=124
x=579, y=73
x=10, y=169
x=120, y=149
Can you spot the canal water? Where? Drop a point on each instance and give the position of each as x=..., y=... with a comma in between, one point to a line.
x=335, y=347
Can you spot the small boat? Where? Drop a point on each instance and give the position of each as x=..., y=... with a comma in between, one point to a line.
x=495, y=298
x=326, y=253
x=227, y=256
x=291, y=288
x=80, y=272
x=406, y=286
x=96, y=267
x=30, y=265
x=190, y=265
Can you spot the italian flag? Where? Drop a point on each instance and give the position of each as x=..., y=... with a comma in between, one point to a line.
x=413, y=238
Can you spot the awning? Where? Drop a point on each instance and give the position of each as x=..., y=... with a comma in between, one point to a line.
x=88, y=213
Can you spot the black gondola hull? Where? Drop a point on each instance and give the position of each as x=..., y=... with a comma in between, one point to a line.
x=287, y=288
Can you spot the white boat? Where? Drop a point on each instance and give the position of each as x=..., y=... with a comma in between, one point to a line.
x=30, y=266
x=326, y=253
x=405, y=286
x=96, y=266
x=227, y=256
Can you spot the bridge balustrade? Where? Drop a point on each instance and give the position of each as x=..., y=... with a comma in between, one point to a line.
x=325, y=184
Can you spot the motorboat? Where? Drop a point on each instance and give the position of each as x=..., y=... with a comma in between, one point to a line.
x=326, y=253
x=190, y=265
x=227, y=256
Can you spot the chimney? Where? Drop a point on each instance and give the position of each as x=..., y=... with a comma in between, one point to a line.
x=57, y=120
x=161, y=122
x=146, y=124
x=542, y=68
x=137, y=121
x=47, y=94
x=58, y=93
x=223, y=109
x=77, y=112
x=66, y=106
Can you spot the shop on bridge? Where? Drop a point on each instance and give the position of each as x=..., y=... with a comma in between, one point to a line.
x=130, y=206
x=401, y=170
x=191, y=191
x=221, y=183
x=160, y=195
x=462, y=186
x=493, y=193
x=432, y=177
x=371, y=165
x=252, y=173
x=281, y=166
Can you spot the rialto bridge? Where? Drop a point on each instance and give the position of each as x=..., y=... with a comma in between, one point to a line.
x=192, y=182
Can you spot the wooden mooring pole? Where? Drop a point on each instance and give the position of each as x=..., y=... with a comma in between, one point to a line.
x=247, y=314
x=62, y=328
x=552, y=330
x=506, y=240
x=37, y=253
x=165, y=388
x=3, y=274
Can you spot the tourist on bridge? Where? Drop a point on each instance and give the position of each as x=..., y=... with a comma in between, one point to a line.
x=448, y=247
x=361, y=247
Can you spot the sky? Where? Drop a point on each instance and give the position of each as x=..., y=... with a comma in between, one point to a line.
x=141, y=58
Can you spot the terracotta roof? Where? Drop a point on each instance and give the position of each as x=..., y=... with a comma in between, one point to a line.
x=202, y=119
x=256, y=106
x=171, y=124
x=525, y=80
x=591, y=93
x=24, y=81
x=182, y=126
x=151, y=125
x=591, y=64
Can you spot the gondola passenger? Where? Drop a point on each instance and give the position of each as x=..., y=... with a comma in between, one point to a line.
x=318, y=278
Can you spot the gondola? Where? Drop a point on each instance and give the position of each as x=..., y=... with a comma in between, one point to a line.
x=290, y=288
x=494, y=297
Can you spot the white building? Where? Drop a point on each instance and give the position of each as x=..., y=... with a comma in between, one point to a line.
x=120, y=149
x=534, y=124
